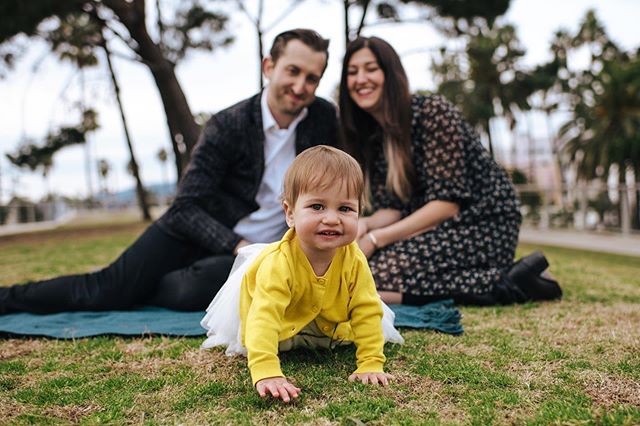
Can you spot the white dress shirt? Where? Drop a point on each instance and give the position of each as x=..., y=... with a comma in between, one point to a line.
x=267, y=224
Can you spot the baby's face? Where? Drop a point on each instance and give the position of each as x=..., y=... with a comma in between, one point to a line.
x=324, y=219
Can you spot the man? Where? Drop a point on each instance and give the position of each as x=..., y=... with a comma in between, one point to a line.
x=229, y=197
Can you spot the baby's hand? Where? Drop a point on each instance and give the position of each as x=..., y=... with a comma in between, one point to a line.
x=278, y=387
x=373, y=378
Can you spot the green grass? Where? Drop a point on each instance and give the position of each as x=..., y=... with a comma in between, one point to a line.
x=571, y=362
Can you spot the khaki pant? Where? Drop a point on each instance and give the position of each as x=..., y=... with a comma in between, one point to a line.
x=310, y=337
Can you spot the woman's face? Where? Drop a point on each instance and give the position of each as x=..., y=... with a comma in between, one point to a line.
x=365, y=81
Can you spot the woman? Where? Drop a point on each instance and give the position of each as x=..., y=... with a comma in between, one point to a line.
x=445, y=217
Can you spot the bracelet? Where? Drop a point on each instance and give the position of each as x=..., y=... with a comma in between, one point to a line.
x=373, y=239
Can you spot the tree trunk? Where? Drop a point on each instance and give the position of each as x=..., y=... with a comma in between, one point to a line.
x=1, y=193
x=88, y=161
x=555, y=153
x=514, y=149
x=365, y=8
x=260, y=58
x=182, y=126
x=625, y=207
x=346, y=22
x=531, y=156
x=635, y=222
x=260, y=43
x=140, y=192
x=490, y=139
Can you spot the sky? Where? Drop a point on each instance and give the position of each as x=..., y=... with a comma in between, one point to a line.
x=41, y=93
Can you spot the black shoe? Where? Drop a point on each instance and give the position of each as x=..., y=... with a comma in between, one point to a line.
x=542, y=288
x=508, y=292
x=531, y=265
x=504, y=292
x=536, y=287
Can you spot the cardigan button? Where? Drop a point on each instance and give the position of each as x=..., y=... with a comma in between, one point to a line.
x=325, y=328
x=314, y=308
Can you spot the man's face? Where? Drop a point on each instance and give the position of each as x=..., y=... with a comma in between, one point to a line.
x=293, y=80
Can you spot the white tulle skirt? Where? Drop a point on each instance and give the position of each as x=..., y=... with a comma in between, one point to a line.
x=222, y=320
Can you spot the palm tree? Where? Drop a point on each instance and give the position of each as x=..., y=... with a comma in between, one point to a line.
x=486, y=81
x=163, y=157
x=550, y=84
x=104, y=169
x=605, y=125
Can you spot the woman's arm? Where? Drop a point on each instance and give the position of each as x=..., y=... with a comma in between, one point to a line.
x=441, y=154
x=427, y=217
x=379, y=219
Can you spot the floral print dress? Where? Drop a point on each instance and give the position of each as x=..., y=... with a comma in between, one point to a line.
x=466, y=254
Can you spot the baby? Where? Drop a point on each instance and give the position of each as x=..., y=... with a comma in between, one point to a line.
x=313, y=288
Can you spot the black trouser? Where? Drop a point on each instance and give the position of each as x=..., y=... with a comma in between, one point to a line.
x=157, y=269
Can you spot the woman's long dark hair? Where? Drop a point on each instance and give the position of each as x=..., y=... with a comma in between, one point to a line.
x=359, y=128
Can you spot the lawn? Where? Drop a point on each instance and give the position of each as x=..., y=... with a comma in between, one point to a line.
x=571, y=362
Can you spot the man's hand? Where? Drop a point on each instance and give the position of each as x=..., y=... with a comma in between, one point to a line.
x=240, y=244
x=278, y=387
x=373, y=378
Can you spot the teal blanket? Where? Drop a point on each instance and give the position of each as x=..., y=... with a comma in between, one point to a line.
x=440, y=316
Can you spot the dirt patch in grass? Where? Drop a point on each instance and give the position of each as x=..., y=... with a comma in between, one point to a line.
x=432, y=396
x=13, y=348
x=583, y=328
x=480, y=350
x=533, y=378
x=72, y=413
x=214, y=363
x=609, y=391
x=574, y=328
x=207, y=365
x=10, y=409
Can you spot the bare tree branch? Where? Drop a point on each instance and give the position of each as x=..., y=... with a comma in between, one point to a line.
x=284, y=14
x=117, y=33
x=127, y=57
x=160, y=24
x=246, y=12
x=260, y=12
x=365, y=9
x=419, y=50
x=346, y=5
x=420, y=20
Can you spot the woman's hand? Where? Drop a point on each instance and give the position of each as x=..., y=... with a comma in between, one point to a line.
x=422, y=220
x=363, y=227
x=366, y=245
x=380, y=219
x=373, y=378
x=278, y=387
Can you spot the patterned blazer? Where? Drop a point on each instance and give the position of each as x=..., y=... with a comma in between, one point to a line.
x=225, y=171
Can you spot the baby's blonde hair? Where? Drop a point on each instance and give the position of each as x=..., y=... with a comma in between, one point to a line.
x=321, y=167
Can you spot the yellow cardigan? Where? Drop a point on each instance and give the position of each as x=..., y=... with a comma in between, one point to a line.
x=281, y=294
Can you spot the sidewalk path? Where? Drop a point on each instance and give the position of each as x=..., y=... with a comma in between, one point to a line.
x=25, y=228
x=594, y=241
x=584, y=240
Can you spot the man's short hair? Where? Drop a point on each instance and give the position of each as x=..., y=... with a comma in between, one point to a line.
x=309, y=37
x=319, y=168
